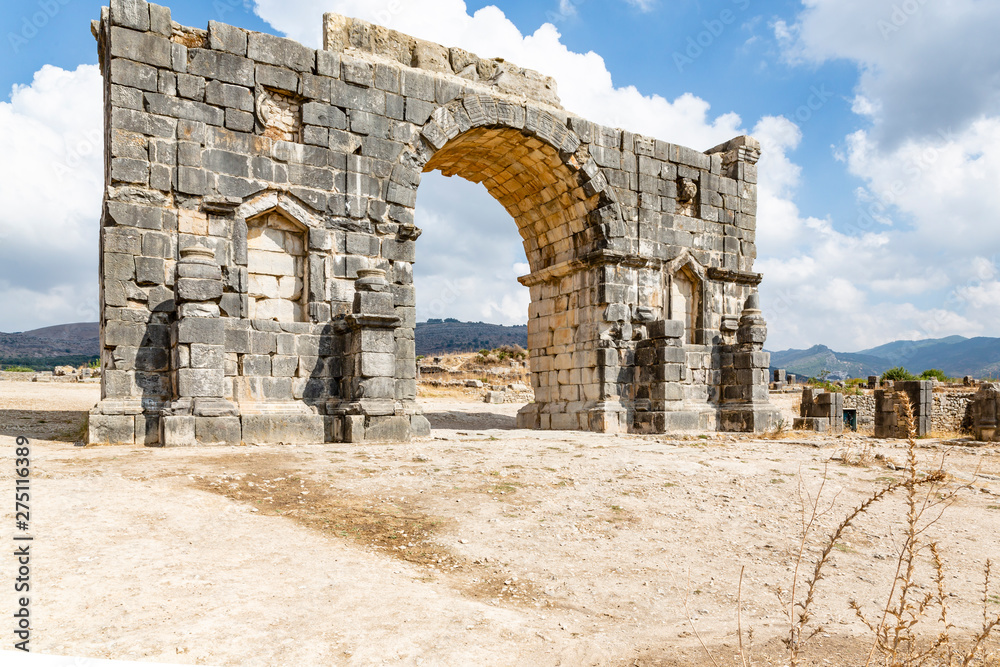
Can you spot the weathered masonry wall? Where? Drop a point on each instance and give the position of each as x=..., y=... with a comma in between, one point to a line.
x=258, y=239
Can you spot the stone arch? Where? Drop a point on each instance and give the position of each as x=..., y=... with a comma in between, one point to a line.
x=529, y=161
x=684, y=286
x=598, y=210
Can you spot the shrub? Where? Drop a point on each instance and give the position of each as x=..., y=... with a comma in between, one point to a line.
x=934, y=374
x=19, y=369
x=898, y=373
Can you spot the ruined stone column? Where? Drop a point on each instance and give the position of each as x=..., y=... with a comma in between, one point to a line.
x=890, y=414
x=985, y=406
x=199, y=414
x=820, y=411
x=372, y=412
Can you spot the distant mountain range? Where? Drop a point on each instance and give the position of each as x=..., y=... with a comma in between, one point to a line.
x=957, y=356
x=450, y=335
x=43, y=349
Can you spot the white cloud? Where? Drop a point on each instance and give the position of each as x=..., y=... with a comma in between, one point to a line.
x=51, y=183
x=919, y=257
x=642, y=5
x=469, y=255
x=916, y=59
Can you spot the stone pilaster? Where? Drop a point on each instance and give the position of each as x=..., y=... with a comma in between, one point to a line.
x=745, y=405
x=371, y=412
x=200, y=414
x=661, y=366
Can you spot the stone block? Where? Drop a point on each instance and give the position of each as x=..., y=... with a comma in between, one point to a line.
x=217, y=430
x=197, y=382
x=278, y=78
x=194, y=289
x=159, y=20
x=281, y=52
x=147, y=430
x=141, y=47
x=132, y=14
x=374, y=303
x=176, y=107
x=374, y=340
x=127, y=170
x=284, y=365
x=210, y=331
x=325, y=115
x=161, y=177
x=222, y=37
x=255, y=364
x=373, y=364
x=134, y=75
x=122, y=240
x=239, y=121
x=228, y=95
x=177, y=431
x=110, y=429
x=353, y=428
x=152, y=359
x=388, y=429
x=291, y=428
x=263, y=342
x=419, y=426
x=665, y=329
x=219, y=65
x=207, y=356
x=191, y=181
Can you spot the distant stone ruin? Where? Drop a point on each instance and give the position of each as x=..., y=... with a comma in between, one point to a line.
x=821, y=411
x=985, y=412
x=258, y=240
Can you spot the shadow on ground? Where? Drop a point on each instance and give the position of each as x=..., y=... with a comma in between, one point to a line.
x=452, y=419
x=63, y=425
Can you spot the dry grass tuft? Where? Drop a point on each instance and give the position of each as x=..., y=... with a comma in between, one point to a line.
x=912, y=628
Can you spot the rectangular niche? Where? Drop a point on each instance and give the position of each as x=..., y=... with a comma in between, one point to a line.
x=276, y=258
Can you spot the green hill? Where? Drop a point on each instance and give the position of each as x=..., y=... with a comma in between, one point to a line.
x=444, y=336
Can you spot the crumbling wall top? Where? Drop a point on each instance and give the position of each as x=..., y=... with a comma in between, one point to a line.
x=343, y=34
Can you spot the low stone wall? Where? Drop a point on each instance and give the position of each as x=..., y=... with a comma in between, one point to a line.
x=15, y=376
x=508, y=396
x=865, y=405
x=951, y=411
x=45, y=376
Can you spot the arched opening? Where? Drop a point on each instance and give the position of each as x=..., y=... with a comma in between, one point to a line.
x=540, y=186
x=469, y=256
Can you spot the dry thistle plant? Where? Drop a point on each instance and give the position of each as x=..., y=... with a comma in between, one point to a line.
x=897, y=638
x=913, y=628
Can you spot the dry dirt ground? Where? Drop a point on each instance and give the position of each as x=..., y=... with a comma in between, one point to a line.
x=480, y=545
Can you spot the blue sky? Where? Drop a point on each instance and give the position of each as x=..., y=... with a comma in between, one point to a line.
x=880, y=121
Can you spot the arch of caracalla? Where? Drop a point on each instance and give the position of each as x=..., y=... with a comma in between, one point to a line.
x=257, y=241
